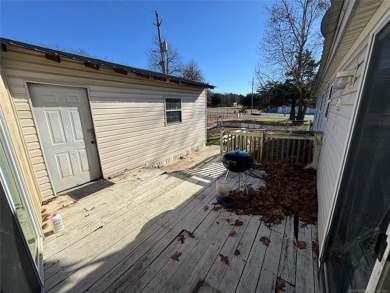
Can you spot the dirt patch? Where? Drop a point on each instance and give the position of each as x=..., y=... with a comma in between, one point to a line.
x=213, y=136
x=290, y=190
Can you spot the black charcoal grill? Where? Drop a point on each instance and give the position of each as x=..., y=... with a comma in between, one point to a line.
x=238, y=162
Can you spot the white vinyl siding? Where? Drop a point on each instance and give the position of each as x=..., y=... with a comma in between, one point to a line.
x=336, y=127
x=22, y=105
x=131, y=131
x=128, y=113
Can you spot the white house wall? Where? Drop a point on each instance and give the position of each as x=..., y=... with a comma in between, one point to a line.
x=128, y=113
x=336, y=129
x=351, y=53
x=131, y=130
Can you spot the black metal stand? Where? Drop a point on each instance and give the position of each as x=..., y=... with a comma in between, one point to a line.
x=241, y=183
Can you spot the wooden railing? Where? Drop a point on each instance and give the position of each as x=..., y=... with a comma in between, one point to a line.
x=267, y=146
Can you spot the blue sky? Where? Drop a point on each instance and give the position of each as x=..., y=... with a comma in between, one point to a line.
x=221, y=36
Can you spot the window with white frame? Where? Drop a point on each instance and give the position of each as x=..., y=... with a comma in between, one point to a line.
x=173, y=110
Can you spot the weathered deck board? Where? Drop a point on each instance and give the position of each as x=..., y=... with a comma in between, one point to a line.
x=314, y=238
x=287, y=266
x=219, y=269
x=203, y=223
x=163, y=224
x=271, y=260
x=141, y=220
x=253, y=267
x=206, y=255
x=105, y=212
x=229, y=280
x=99, y=236
x=305, y=266
x=207, y=228
x=190, y=211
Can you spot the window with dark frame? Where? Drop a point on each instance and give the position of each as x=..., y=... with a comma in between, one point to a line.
x=173, y=110
x=328, y=103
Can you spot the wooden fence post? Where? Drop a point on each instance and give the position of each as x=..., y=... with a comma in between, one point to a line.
x=221, y=146
x=261, y=146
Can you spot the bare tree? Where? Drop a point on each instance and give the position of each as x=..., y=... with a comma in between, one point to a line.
x=173, y=61
x=291, y=41
x=192, y=71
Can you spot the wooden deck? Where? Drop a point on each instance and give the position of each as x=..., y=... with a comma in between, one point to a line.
x=125, y=237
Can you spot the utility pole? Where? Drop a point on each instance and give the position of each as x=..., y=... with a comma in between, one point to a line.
x=252, y=97
x=162, y=60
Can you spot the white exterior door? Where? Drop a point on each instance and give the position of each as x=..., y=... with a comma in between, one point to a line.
x=66, y=133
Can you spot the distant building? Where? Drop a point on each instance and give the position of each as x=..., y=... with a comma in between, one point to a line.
x=287, y=110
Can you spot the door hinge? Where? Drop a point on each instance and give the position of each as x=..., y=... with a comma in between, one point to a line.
x=380, y=246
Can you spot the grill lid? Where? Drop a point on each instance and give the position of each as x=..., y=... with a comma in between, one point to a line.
x=237, y=161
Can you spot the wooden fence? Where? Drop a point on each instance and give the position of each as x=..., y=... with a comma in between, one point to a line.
x=267, y=146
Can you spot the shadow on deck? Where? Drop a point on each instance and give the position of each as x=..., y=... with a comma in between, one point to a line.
x=156, y=231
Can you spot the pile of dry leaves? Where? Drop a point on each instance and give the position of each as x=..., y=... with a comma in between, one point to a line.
x=289, y=190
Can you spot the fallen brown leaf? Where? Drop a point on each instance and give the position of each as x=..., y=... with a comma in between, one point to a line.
x=232, y=233
x=216, y=208
x=237, y=222
x=47, y=201
x=181, y=238
x=224, y=259
x=290, y=190
x=278, y=213
x=176, y=255
x=280, y=285
x=206, y=208
x=237, y=252
x=265, y=240
x=301, y=244
x=191, y=234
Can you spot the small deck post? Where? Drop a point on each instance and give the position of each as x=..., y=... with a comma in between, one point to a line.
x=221, y=142
x=261, y=146
x=317, y=149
